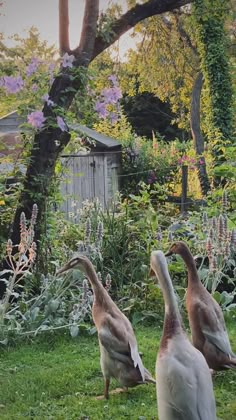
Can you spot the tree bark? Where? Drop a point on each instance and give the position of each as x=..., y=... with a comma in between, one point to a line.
x=197, y=134
x=64, y=42
x=50, y=142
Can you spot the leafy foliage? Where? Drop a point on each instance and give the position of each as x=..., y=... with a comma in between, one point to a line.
x=209, y=19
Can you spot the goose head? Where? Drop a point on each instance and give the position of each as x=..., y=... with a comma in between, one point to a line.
x=159, y=267
x=80, y=262
x=178, y=247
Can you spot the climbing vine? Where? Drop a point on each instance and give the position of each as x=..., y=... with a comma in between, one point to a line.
x=209, y=19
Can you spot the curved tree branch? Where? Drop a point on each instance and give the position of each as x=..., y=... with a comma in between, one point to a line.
x=64, y=39
x=89, y=30
x=135, y=15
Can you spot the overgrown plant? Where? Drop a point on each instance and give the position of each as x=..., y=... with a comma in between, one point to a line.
x=21, y=262
x=59, y=302
x=220, y=246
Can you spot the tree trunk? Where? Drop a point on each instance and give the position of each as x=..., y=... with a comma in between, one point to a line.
x=197, y=134
x=47, y=146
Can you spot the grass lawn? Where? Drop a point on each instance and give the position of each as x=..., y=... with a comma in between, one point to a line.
x=57, y=377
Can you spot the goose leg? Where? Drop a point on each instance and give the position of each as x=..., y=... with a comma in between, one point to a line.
x=106, y=388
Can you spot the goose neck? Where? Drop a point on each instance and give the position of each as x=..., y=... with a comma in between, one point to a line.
x=93, y=278
x=171, y=306
x=191, y=265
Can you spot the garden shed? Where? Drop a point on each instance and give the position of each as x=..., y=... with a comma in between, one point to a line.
x=92, y=175
x=88, y=175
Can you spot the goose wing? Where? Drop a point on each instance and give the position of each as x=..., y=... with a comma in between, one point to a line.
x=213, y=326
x=117, y=337
x=185, y=386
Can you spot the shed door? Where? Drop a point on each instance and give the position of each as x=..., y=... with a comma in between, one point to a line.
x=86, y=179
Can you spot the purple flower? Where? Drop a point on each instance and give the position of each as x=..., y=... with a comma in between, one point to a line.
x=46, y=99
x=36, y=119
x=13, y=84
x=32, y=67
x=34, y=87
x=100, y=107
x=51, y=67
x=111, y=95
x=67, y=60
x=113, y=79
x=113, y=117
x=61, y=124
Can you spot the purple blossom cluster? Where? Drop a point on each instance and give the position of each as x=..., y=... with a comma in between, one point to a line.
x=36, y=119
x=45, y=98
x=109, y=97
x=51, y=69
x=32, y=67
x=12, y=84
x=61, y=124
x=67, y=60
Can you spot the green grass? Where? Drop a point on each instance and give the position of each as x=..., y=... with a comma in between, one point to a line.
x=57, y=377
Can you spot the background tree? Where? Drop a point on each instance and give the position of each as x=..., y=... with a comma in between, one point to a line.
x=166, y=63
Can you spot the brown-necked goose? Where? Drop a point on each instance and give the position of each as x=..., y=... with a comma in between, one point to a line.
x=184, y=383
x=120, y=358
x=209, y=333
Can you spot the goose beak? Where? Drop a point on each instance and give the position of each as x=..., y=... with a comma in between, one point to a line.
x=61, y=270
x=168, y=253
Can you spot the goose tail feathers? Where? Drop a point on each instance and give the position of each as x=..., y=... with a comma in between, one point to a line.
x=148, y=377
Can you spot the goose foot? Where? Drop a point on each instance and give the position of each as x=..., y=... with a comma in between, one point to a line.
x=100, y=397
x=119, y=390
x=113, y=392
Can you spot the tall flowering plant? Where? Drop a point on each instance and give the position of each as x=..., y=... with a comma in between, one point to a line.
x=21, y=262
x=220, y=245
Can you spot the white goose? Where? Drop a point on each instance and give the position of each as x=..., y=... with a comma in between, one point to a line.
x=184, y=383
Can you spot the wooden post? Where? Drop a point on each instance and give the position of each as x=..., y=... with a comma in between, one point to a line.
x=184, y=189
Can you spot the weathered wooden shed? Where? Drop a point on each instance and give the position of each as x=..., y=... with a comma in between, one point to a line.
x=90, y=175
x=93, y=175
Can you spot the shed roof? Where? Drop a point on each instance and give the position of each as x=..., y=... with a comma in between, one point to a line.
x=11, y=123
x=101, y=140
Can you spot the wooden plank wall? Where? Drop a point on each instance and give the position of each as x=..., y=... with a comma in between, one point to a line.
x=89, y=177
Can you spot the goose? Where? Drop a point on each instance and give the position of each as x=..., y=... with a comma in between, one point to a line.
x=119, y=356
x=209, y=333
x=184, y=382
